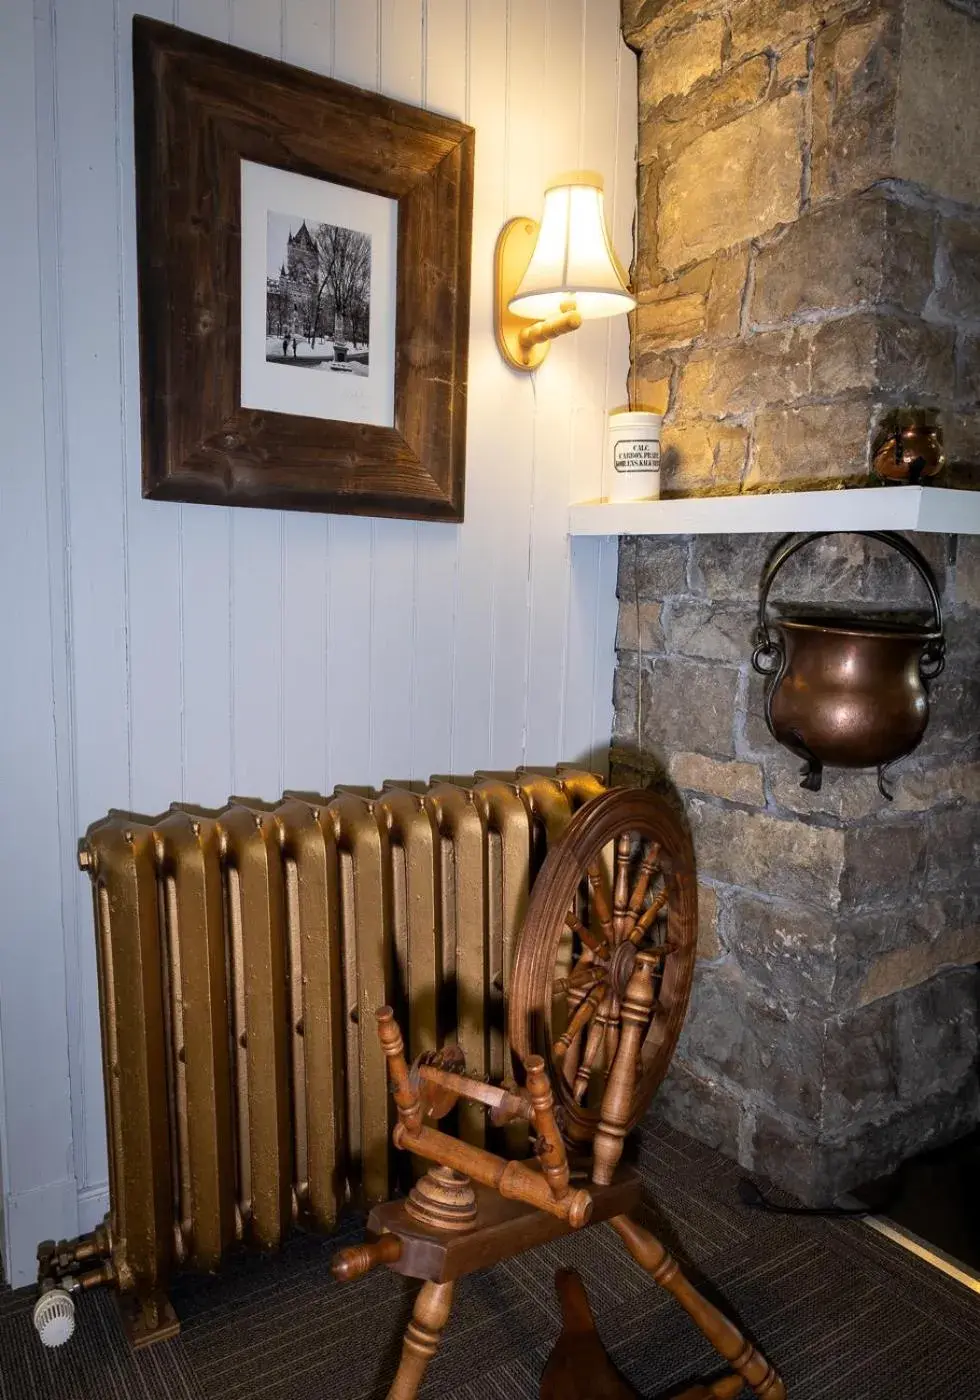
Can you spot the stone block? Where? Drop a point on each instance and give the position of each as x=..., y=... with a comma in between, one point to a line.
x=709, y=941
x=790, y=860
x=962, y=433
x=644, y=21
x=670, y=718
x=903, y=968
x=968, y=370
x=702, y=457
x=716, y=632
x=951, y=838
x=968, y=572
x=778, y=25
x=638, y=627
x=672, y=66
x=815, y=446
x=772, y=367
x=843, y=356
x=954, y=704
x=650, y=380
x=661, y=565
x=626, y=570
x=958, y=270
x=625, y=690
x=735, y=782
x=787, y=951
x=818, y=1167
x=723, y=313
x=793, y=67
x=664, y=322
x=860, y=1065
x=938, y=113
x=855, y=87
x=885, y=863
x=853, y=252
x=890, y=582
x=729, y=567
x=702, y=1106
x=916, y=360
x=668, y=130
x=733, y=1032
x=732, y=184
x=846, y=794
x=936, y=1033
x=920, y=789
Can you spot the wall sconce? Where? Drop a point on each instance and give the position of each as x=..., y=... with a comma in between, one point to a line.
x=552, y=276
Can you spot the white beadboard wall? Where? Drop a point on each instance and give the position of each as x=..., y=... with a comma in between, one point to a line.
x=155, y=651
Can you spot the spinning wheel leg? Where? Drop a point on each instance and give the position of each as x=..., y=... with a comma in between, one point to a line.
x=422, y=1337
x=723, y=1335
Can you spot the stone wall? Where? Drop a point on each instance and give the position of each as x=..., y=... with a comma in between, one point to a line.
x=808, y=239
x=834, y=1024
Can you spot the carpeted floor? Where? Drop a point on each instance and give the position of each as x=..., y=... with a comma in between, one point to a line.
x=843, y=1313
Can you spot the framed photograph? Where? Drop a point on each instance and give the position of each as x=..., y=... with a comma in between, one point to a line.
x=304, y=267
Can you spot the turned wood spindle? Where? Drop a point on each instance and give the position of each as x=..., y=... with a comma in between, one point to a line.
x=638, y=933
x=580, y=1019
x=406, y=1099
x=422, y=1338
x=593, y=1044
x=621, y=888
x=512, y=1180
x=600, y=902
x=359, y=1259
x=551, y=1148
x=723, y=1335
x=594, y=945
x=617, y=1100
x=648, y=865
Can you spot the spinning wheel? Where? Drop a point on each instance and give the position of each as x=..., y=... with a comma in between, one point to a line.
x=619, y=884
x=598, y=993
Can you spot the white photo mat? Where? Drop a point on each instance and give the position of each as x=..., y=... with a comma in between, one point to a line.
x=282, y=388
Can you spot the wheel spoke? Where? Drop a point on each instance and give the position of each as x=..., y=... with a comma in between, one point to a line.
x=624, y=845
x=593, y=1045
x=579, y=1021
x=612, y=1032
x=594, y=945
x=647, y=866
x=659, y=900
x=600, y=902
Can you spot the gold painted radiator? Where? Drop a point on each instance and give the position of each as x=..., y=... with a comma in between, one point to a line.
x=241, y=956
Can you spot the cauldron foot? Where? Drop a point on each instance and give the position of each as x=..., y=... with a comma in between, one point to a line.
x=812, y=772
x=882, y=770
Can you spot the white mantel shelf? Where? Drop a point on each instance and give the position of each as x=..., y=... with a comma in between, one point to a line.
x=932, y=509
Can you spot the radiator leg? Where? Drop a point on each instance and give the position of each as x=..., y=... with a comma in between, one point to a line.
x=422, y=1337
x=723, y=1335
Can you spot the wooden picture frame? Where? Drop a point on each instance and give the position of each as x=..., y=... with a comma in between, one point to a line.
x=201, y=109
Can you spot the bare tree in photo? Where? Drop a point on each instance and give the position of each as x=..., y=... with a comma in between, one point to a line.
x=345, y=264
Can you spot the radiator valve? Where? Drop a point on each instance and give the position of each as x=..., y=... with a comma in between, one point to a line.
x=54, y=1317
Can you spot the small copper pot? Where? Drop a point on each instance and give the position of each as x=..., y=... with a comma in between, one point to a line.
x=847, y=692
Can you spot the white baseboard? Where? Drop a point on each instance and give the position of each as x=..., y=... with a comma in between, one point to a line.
x=48, y=1212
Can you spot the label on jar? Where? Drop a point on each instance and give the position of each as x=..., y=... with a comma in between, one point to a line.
x=637, y=455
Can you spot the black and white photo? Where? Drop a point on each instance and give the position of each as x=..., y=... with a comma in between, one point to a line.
x=318, y=295
x=318, y=298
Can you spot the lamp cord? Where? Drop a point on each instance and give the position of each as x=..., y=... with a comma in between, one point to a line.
x=751, y=1196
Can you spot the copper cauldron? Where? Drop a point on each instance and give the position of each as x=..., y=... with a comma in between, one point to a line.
x=844, y=691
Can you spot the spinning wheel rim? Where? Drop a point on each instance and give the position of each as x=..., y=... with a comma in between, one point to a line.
x=529, y=1020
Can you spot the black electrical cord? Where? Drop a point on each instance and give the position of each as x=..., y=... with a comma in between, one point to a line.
x=751, y=1196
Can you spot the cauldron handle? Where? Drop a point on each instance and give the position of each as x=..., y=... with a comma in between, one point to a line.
x=767, y=658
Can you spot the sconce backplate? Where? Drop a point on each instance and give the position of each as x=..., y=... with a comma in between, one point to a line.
x=515, y=244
